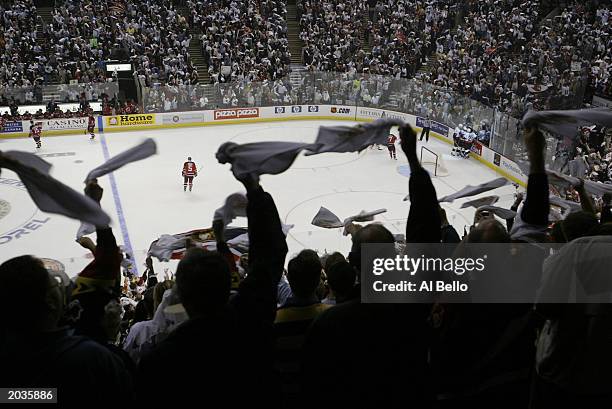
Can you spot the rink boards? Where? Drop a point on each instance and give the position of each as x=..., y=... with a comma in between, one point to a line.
x=226, y=116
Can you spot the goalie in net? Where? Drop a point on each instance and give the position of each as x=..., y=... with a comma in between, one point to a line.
x=433, y=162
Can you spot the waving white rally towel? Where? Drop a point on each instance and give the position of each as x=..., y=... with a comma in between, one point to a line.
x=562, y=180
x=499, y=211
x=353, y=138
x=138, y=152
x=51, y=195
x=328, y=220
x=470, y=190
x=260, y=158
x=235, y=206
x=566, y=123
x=481, y=201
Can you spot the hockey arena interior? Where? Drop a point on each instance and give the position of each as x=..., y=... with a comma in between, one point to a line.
x=240, y=201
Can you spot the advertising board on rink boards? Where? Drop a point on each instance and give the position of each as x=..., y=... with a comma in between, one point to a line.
x=501, y=164
x=235, y=113
x=372, y=114
x=130, y=120
x=436, y=127
x=65, y=123
x=178, y=118
x=12, y=127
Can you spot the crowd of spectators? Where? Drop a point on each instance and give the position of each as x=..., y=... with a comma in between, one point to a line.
x=331, y=31
x=474, y=60
x=403, y=34
x=501, y=54
x=302, y=337
x=22, y=60
x=242, y=39
x=587, y=156
x=83, y=35
x=150, y=34
x=505, y=56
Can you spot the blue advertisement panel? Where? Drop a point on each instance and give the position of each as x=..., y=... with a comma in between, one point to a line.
x=14, y=126
x=435, y=126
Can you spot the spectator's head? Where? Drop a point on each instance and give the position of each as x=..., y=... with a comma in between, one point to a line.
x=30, y=299
x=331, y=259
x=152, y=281
x=96, y=315
x=575, y=225
x=341, y=279
x=304, y=273
x=203, y=282
x=372, y=233
x=489, y=231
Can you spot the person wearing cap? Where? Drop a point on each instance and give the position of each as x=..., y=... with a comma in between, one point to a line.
x=95, y=310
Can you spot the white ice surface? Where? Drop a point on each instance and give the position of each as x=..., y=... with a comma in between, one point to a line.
x=153, y=202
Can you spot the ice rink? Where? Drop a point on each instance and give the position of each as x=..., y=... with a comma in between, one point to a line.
x=146, y=199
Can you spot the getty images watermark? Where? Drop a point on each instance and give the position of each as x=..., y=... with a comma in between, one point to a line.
x=487, y=273
x=411, y=266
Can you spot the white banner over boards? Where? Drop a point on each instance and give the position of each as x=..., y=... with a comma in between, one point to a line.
x=369, y=114
x=65, y=123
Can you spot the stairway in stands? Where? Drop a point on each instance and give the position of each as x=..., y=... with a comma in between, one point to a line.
x=293, y=34
x=44, y=18
x=195, y=48
x=195, y=53
x=364, y=35
x=45, y=13
x=298, y=71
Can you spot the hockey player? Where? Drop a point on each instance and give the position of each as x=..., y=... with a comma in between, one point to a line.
x=391, y=139
x=91, y=124
x=462, y=142
x=2, y=123
x=189, y=172
x=35, y=133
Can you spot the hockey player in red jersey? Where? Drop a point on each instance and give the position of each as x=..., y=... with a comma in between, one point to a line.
x=391, y=139
x=36, y=132
x=189, y=172
x=91, y=124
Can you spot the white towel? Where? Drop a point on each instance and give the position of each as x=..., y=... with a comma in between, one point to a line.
x=470, y=190
x=138, y=152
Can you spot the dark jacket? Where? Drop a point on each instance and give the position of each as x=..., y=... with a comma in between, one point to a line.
x=85, y=373
x=227, y=355
x=359, y=355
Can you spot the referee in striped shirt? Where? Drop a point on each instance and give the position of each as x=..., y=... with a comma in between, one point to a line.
x=426, y=128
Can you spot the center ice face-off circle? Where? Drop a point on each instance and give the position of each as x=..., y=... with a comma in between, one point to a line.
x=16, y=211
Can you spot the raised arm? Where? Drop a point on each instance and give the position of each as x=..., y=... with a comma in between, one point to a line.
x=107, y=259
x=423, y=225
x=606, y=211
x=536, y=207
x=267, y=250
x=585, y=199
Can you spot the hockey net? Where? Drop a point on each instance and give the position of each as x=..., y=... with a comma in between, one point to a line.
x=433, y=162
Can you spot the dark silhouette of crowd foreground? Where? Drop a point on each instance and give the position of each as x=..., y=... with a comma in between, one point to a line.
x=303, y=337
